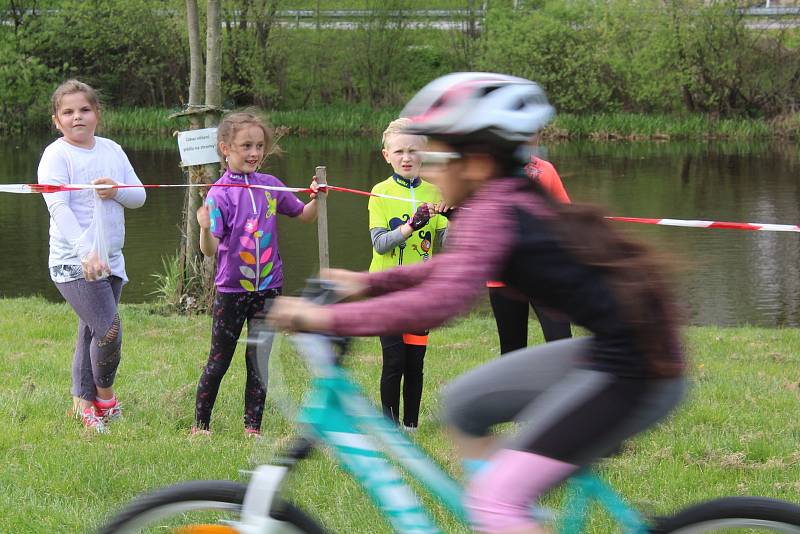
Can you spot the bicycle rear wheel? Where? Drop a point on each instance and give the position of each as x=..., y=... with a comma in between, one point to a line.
x=199, y=507
x=733, y=515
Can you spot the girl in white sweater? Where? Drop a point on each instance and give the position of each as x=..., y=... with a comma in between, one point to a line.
x=89, y=280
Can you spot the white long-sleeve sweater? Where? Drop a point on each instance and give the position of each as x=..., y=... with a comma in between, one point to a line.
x=71, y=213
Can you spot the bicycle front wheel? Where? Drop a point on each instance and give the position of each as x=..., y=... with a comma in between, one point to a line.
x=199, y=507
x=733, y=515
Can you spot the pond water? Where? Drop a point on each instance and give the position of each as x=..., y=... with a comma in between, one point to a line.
x=728, y=277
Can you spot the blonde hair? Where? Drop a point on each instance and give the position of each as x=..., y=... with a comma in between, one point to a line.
x=235, y=121
x=398, y=126
x=73, y=86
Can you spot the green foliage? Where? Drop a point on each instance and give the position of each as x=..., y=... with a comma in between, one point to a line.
x=25, y=84
x=139, y=120
x=379, y=60
x=133, y=50
x=338, y=119
x=252, y=60
x=640, y=56
x=177, y=293
x=634, y=126
x=730, y=68
x=556, y=46
x=638, y=50
x=167, y=291
x=647, y=56
x=357, y=120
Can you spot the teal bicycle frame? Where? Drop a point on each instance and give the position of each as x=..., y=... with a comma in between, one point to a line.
x=337, y=413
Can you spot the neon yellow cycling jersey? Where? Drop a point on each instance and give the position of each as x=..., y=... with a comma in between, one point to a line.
x=390, y=214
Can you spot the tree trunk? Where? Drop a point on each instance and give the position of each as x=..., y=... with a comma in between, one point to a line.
x=213, y=62
x=195, y=55
x=265, y=20
x=191, y=255
x=196, y=288
x=214, y=103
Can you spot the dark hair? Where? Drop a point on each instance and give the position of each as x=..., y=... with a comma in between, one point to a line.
x=640, y=278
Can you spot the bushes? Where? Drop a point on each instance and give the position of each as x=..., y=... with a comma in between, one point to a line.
x=377, y=61
x=24, y=100
x=648, y=56
x=731, y=68
x=133, y=51
x=557, y=47
x=642, y=56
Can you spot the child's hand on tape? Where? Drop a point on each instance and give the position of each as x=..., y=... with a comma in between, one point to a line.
x=315, y=190
x=105, y=194
x=421, y=217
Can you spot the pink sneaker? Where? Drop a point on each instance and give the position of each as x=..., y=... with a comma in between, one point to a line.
x=108, y=412
x=91, y=420
x=200, y=431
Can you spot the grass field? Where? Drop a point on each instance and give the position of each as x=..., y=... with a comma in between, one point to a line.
x=737, y=434
x=358, y=120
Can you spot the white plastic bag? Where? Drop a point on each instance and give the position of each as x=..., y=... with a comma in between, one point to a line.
x=94, y=257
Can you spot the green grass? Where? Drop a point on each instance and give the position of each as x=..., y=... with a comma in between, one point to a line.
x=336, y=120
x=737, y=434
x=635, y=126
x=360, y=120
x=140, y=120
x=330, y=120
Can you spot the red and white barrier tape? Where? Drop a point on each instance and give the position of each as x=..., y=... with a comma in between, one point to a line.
x=48, y=188
x=712, y=224
x=52, y=188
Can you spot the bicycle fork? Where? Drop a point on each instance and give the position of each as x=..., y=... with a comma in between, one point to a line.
x=265, y=483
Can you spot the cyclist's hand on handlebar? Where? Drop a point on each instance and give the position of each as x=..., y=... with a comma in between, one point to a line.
x=299, y=315
x=349, y=284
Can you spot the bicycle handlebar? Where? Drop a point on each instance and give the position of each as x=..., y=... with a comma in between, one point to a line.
x=320, y=291
x=316, y=349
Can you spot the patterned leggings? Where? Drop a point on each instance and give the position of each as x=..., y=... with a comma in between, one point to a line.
x=229, y=314
x=99, y=344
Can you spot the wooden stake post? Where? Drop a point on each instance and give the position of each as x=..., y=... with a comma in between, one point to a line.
x=322, y=219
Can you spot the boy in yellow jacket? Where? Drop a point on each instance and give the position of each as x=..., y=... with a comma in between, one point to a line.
x=403, y=232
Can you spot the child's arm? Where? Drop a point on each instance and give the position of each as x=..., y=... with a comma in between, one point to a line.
x=130, y=198
x=53, y=170
x=309, y=213
x=133, y=197
x=385, y=240
x=208, y=243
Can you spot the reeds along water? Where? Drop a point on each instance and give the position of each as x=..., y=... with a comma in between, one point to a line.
x=635, y=126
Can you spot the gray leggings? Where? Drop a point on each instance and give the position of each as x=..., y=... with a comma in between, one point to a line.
x=97, y=351
x=565, y=412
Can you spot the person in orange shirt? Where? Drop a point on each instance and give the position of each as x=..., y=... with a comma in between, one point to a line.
x=510, y=310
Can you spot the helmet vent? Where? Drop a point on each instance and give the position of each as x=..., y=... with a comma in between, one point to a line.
x=486, y=90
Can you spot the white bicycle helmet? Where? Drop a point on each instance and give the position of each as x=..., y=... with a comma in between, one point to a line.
x=479, y=107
